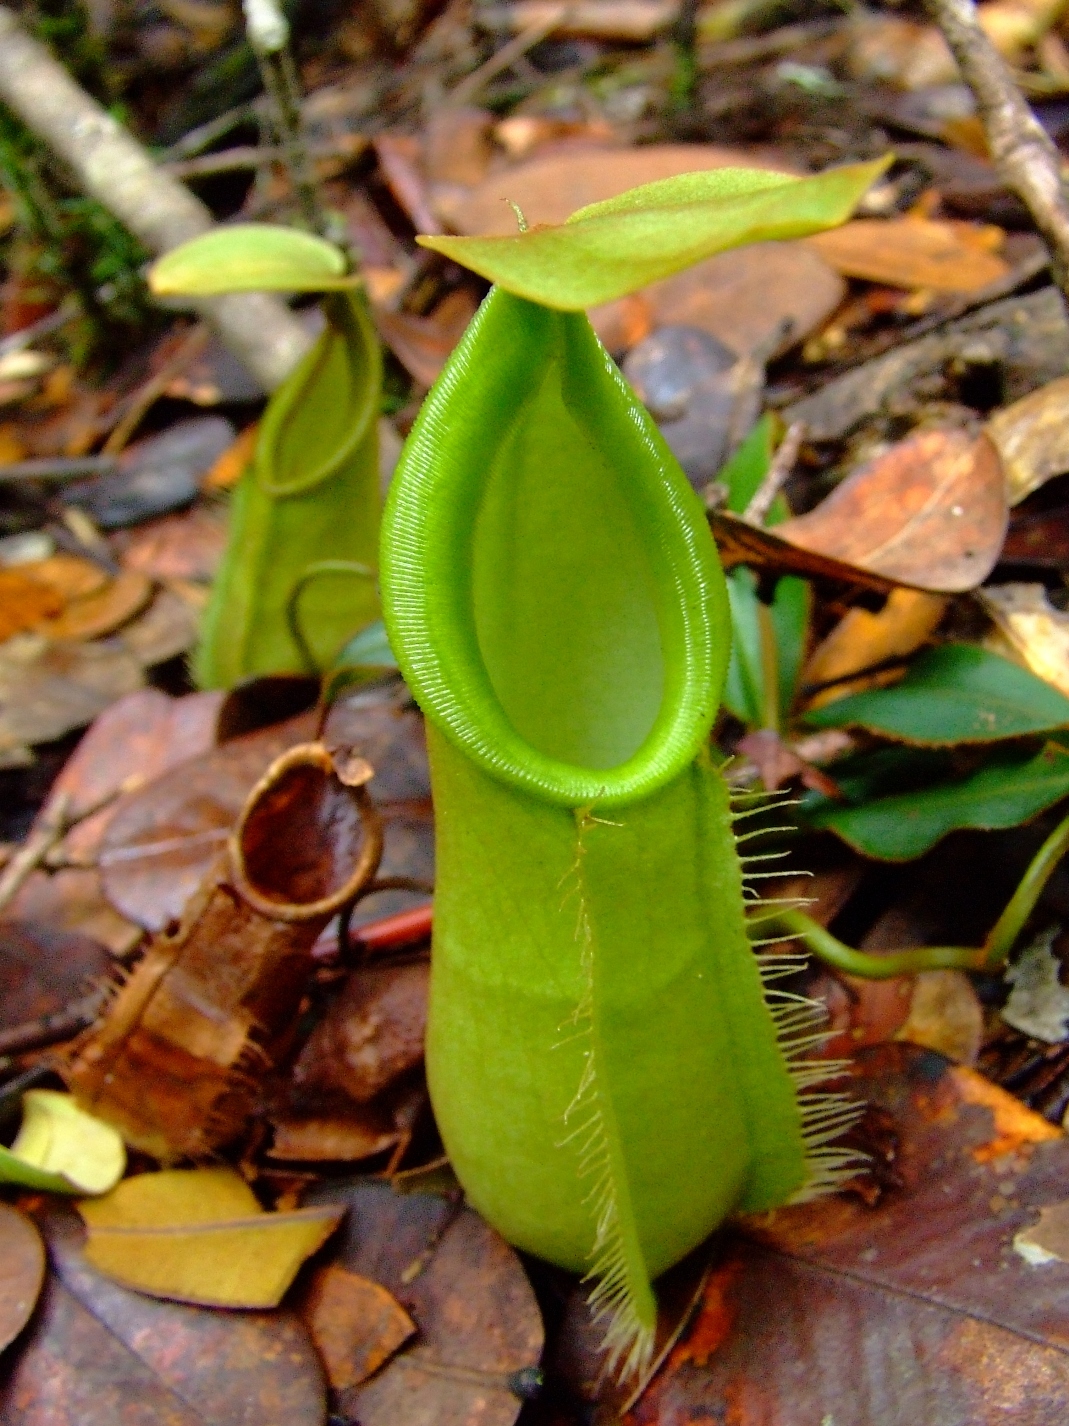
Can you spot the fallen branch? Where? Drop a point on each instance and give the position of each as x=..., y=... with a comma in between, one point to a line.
x=114, y=169
x=1023, y=152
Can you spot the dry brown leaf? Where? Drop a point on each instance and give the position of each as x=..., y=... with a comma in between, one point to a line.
x=46, y=688
x=421, y=344
x=467, y=1293
x=1048, y=1240
x=1034, y=633
x=945, y=1014
x=759, y=299
x=97, y=1354
x=862, y=639
x=22, y=1272
x=549, y=190
x=229, y=467
x=910, y=1309
x=200, y=1236
x=345, y=1137
x=456, y=144
x=25, y=602
x=95, y=615
x=372, y=1033
x=72, y=899
x=71, y=576
x=915, y=252
x=186, y=545
x=356, y=1324
x=1032, y=437
x=930, y=512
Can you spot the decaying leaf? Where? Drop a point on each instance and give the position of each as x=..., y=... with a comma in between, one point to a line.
x=42, y=969
x=945, y=1015
x=200, y=1236
x=915, y=252
x=466, y=1291
x=356, y=1324
x=548, y=190
x=61, y=1149
x=757, y=300
x=103, y=611
x=47, y=689
x=1033, y=632
x=99, y=1354
x=1048, y=1240
x=72, y=901
x=931, y=512
x=915, y=1310
x=1032, y=438
x=22, y=1272
x=1038, y=1004
x=862, y=640
x=172, y=1063
x=371, y=1034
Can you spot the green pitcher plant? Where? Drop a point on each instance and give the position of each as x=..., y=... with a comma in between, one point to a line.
x=298, y=579
x=612, y=1068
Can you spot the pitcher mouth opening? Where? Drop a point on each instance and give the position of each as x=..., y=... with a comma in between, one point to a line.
x=506, y=650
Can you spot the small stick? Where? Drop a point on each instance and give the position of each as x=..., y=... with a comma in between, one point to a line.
x=506, y=56
x=51, y=829
x=57, y=468
x=1024, y=154
x=777, y=475
x=51, y=1029
x=249, y=156
x=189, y=348
x=54, y=824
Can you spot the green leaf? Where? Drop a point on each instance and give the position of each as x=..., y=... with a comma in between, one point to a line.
x=1009, y=790
x=744, y=694
x=792, y=604
x=745, y=469
x=745, y=689
x=366, y=656
x=957, y=693
x=609, y=249
x=62, y=1149
x=250, y=257
x=298, y=576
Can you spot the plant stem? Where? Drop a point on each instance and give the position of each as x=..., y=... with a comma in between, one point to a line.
x=828, y=948
x=791, y=924
x=1007, y=928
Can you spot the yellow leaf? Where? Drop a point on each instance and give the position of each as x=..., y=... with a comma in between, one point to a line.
x=59, y=1138
x=1036, y=634
x=199, y=1235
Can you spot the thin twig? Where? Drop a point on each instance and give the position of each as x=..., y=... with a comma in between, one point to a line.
x=506, y=56
x=50, y=830
x=253, y=156
x=191, y=346
x=43, y=327
x=1024, y=154
x=204, y=135
x=57, y=468
x=52, y=826
x=777, y=475
x=51, y=1029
